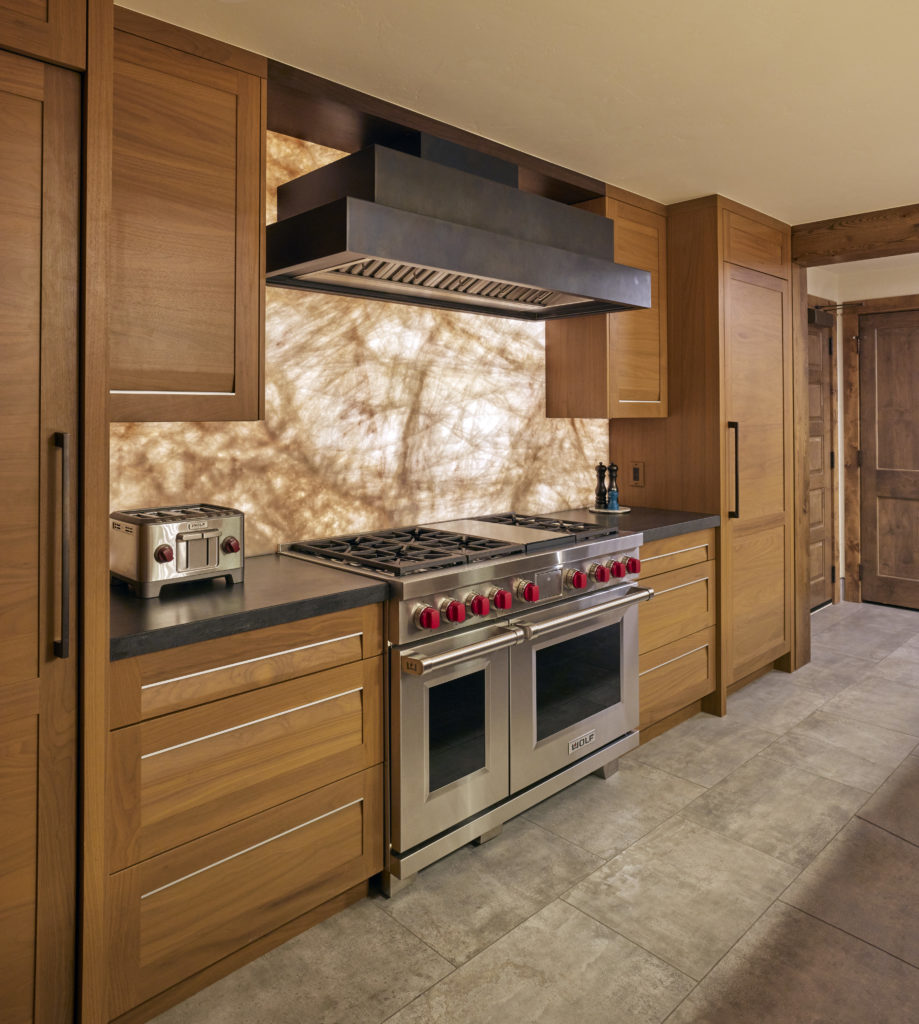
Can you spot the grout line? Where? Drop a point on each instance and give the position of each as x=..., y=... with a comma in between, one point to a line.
x=874, y=824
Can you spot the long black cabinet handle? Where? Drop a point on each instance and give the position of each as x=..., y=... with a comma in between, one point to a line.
x=62, y=646
x=735, y=512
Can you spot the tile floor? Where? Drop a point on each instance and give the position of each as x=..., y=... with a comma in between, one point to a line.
x=763, y=867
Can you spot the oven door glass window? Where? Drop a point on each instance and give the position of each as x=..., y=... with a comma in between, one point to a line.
x=456, y=730
x=576, y=679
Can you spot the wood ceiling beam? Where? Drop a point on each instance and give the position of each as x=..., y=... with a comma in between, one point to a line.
x=860, y=236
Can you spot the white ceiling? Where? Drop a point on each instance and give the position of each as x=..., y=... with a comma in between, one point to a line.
x=803, y=109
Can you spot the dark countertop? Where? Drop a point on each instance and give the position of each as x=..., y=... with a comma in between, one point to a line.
x=277, y=589
x=654, y=523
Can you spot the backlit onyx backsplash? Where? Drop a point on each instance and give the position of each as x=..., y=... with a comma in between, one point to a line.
x=377, y=415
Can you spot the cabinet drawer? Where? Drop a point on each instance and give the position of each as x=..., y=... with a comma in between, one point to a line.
x=684, y=603
x=659, y=556
x=176, y=778
x=675, y=675
x=165, y=681
x=181, y=911
x=750, y=243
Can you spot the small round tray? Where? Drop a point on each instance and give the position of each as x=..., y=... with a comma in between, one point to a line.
x=611, y=511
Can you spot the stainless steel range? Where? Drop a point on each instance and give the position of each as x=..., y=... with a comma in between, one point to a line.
x=512, y=668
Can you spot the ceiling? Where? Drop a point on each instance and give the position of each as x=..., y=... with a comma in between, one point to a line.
x=802, y=110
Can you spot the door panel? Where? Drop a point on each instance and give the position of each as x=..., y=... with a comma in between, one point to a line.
x=889, y=369
x=819, y=475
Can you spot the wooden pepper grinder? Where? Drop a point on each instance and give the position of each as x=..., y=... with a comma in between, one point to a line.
x=613, y=486
x=601, y=494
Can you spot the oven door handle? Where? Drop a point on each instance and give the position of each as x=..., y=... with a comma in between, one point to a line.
x=532, y=630
x=412, y=665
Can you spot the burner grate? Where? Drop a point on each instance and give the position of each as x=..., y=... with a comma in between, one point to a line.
x=537, y=522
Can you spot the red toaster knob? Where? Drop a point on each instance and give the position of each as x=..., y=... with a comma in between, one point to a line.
x=455, y=611
x=599, y=573
x=503, y=599
x=479, y=605
x=164, y=553
x=427, y=618
x=230, y=545
x=575, y=579
x=633, y=564
x=527, y=591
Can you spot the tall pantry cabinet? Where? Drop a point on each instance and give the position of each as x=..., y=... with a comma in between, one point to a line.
x=727, y=445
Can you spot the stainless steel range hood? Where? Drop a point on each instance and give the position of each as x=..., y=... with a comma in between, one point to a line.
x=446, y=227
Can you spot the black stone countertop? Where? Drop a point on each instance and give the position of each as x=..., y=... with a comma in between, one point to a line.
x=654, y=523
x=277, y=589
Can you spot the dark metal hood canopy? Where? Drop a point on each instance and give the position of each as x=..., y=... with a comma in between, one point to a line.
x=446, y=226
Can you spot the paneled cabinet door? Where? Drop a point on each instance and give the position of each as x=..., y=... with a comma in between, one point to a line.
x=52, y=30
x=39, y=274
x=186, y=275
x=756, y=625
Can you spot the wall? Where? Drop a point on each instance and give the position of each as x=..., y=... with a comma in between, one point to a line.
x=866, y=279
x=377, y=415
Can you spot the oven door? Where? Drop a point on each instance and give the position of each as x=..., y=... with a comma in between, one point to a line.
x=574, y=682
x=449, y=732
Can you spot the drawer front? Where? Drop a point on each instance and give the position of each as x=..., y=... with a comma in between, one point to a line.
x=675, y=675
x=177, y=913
x=176, y=778
x=684, y=603
x=763, y=247
x=659, y=556
x=165, y=681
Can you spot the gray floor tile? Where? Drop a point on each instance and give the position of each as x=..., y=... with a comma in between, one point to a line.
x=607, y=815
x=559, y=966
x=879, y=701
x=793, y=969
x=829, y=671
x=842, y=749
x=774, y=702
x=902, y=665
x=458, y=906
x=871, y=640
x=355, y=968
x=867, y=883
x=684, y=893
x=787, y=812
x=895, y=806
x=832, y=614
x=704, y=749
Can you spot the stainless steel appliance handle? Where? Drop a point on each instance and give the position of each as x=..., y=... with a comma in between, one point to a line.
x=535, y=629
x=62, y=646
x=414, y=666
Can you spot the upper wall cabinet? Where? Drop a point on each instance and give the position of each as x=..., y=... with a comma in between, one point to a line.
x=186, y=270
x=615, y=365
x=51, y=30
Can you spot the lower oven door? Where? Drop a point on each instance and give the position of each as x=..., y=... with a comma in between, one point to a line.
x=574, y=682
x=448, y=733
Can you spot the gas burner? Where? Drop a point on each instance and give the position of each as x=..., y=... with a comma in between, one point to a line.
x=406, y=551
x=537, y=522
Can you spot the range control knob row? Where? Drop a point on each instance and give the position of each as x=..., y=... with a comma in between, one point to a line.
x=426, y=617
x=478, y=604
x=501, y=599
x=453, y=611
x=599, y=573
x=575, y=579
x=527, y=591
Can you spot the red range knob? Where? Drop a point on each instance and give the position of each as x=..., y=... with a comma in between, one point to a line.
x=633, y=564
x=617, y=569
x=455, y=611
x=164, y=553
x=503, y=599
x=575, y=579
x=599, y=573
x=427, y=618
x=478, y=605
x=527, y=591
x=230, y=545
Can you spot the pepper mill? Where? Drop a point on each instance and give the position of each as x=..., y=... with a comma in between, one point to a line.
x=601, y=497
x=613, y=486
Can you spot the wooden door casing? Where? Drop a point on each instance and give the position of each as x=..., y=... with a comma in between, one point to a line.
x=888, y=371
x=820, y=506
x=39, y=275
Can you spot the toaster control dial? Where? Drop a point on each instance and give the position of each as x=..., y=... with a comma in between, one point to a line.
x=164, y=553
x=230, y=545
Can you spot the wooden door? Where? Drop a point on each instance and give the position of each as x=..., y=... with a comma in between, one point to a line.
x=820, y=511
x=39, y=235
x=889, y=429
x=756, y=572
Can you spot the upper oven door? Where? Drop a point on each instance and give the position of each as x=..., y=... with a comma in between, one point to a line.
x=574, y=683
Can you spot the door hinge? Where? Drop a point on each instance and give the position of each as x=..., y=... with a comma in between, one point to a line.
x=830, y=339
x=861, y=571
x=832, y=460
x=832, y=574
x=858, y=345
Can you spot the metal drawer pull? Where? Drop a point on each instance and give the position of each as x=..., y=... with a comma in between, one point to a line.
x=669, y=554
x=414, y=666
x=255, y=721
x=249, y=849
x=250, y=661
x=670, y=661
x=680, y=586
x=535, y=629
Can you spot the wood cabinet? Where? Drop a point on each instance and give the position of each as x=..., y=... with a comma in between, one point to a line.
x=615, y=365
x=51, y=30
x=727, y=446
x=677, y=629
x=253, y=803
x=186, y=268
x=39, y=275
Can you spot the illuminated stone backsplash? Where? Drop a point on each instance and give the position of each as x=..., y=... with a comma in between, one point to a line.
x=377, y=415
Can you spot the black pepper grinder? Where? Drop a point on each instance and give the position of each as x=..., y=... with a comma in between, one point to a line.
x=601, y=496
x=613, y=487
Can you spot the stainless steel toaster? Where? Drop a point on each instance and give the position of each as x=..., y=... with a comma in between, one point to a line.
x=150, y=547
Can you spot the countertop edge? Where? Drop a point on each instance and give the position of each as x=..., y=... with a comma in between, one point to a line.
x=676, y=529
